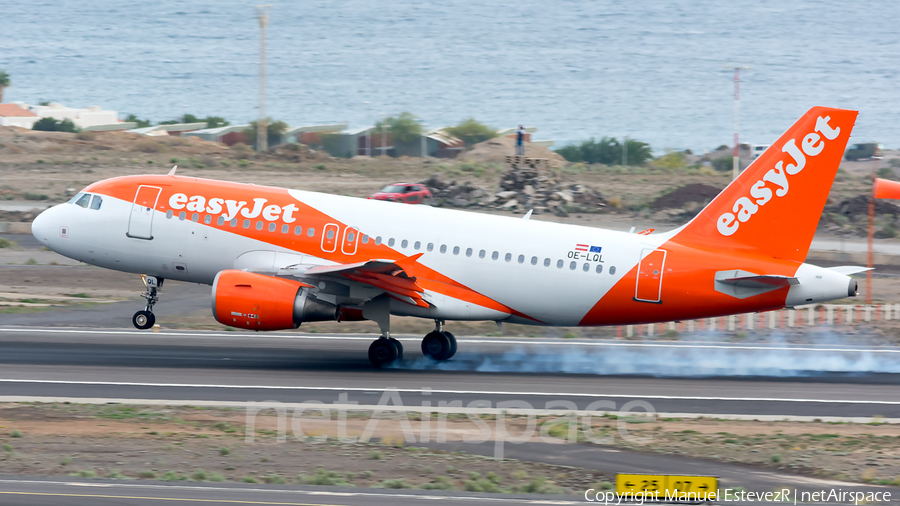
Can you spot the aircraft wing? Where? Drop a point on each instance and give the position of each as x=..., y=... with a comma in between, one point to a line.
x=388, y=275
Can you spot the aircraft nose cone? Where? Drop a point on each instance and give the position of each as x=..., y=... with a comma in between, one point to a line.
x=42, y=227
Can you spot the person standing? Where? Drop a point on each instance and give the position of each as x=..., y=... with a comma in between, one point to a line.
x=520, y=141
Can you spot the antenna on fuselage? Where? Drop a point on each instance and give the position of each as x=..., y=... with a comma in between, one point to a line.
x=172, y=172
x=528, y=214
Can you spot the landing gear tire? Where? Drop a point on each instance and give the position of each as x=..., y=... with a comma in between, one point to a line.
x=399, y=346
x=438, y=345
x=143, y=320
x=383, y=352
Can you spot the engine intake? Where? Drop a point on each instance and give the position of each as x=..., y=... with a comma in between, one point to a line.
x=259, y=302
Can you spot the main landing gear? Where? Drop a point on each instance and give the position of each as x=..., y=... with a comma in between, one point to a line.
x=438, y=345
x=384, y=351
x=145, y=319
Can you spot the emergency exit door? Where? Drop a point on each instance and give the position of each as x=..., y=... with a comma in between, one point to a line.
x=140, y=223
x=650, y=276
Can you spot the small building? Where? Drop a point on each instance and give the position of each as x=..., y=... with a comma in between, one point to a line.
x=112, y=127
x=360, y=142
x=311, y=135
x=440, y=144
x=230, y=135
x=176, y=129
x=16, y=115
x=82, y=118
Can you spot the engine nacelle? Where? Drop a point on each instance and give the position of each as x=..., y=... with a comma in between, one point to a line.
x=259, y=302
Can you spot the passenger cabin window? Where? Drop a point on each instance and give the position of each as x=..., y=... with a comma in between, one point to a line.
x=96, y=202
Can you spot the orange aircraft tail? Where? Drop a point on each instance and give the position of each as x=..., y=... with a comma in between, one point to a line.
x=774, y=206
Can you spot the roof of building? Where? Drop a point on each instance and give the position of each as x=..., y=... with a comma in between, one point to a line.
x=337, y=127
x=177, y=127
x=13, y=110
x=222, y=130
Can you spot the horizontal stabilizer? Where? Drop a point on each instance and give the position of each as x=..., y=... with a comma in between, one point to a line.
x=742, y=284
x=760, y=281
x=847, y=270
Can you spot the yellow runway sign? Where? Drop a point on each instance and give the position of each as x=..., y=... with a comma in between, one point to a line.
x=667, y=487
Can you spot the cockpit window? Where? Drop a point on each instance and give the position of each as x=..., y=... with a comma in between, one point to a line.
x=75, y=198
x=96, y=201
x=83, y=201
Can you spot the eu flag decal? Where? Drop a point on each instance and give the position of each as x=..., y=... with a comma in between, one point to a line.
x=595, y=249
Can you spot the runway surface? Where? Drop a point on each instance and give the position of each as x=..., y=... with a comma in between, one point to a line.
x=232, y=367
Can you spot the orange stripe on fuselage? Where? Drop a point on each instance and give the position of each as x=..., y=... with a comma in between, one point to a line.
x=124, y=188
x=688, y=288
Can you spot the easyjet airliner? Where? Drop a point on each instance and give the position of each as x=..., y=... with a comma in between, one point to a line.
x=277, y=258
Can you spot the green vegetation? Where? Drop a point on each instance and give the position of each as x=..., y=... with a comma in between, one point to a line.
x=396, y=484
x=274, y=131
x=4, y=83
x=887, y=172
x=374, y=455
x=15, y=433
x=141, y=123
x=607, y=151
x=147, y=475
x=224, y=451
x=776, y=458
x=6, y=243
x=323, y=477
x=84, y=473
x=472, y=132
x=54, y=125
x=723, y=163
x=404, y=128
x=34, y=196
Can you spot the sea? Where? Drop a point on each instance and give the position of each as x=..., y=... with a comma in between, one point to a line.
x=659, y=71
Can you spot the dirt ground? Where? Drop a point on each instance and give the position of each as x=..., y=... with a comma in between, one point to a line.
x=206, y=444
x=177, y=444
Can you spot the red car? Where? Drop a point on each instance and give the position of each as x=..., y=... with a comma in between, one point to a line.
x=409, y=193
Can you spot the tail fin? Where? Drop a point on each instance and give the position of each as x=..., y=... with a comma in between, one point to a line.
x=774, y=206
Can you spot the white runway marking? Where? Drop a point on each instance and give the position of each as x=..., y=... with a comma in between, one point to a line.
x=474, y=340
x=326, y=493
x=442, y=391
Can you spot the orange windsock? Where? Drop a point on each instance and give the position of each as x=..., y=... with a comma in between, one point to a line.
x=885, y=189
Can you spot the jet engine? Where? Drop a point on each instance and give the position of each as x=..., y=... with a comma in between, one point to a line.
x=259, y=302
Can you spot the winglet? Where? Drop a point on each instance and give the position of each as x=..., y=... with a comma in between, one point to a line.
x=172, y=172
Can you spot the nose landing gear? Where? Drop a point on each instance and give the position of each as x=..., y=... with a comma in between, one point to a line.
x=145, y=319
